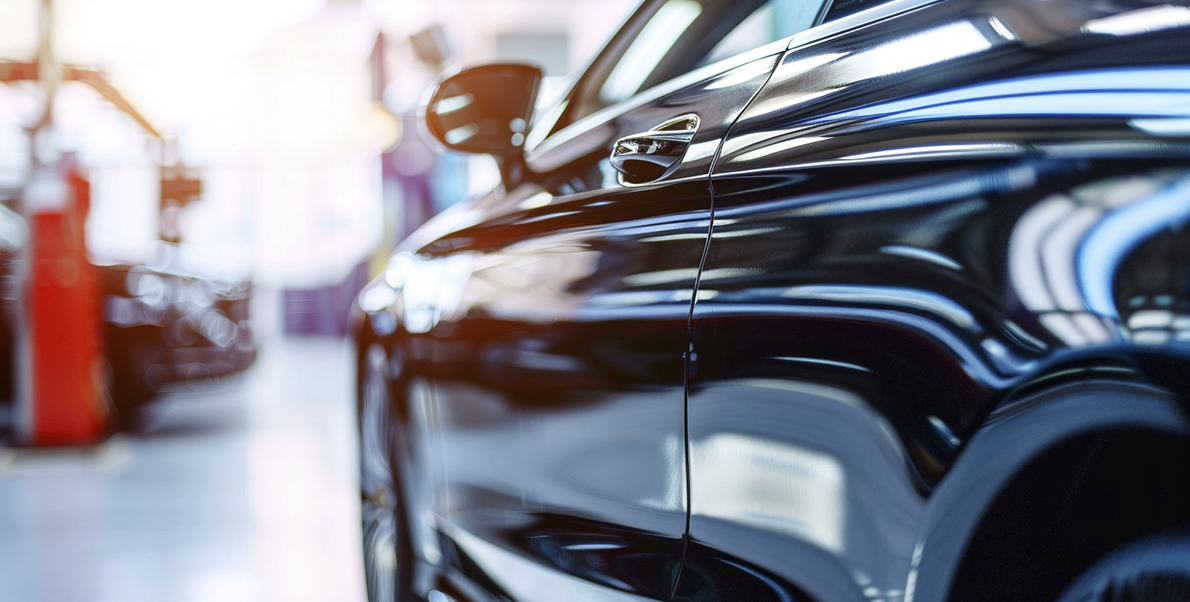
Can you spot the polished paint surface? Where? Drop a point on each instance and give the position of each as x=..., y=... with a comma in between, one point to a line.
x=891, y=260
x=927, y=254
x=537, y=360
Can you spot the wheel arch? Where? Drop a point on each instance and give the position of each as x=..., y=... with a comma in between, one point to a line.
x=1055, y=455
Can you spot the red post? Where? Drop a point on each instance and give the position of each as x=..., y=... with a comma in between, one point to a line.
x=61, y=396
x=66, y=372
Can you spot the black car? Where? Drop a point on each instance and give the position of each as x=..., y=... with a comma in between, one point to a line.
x=894, y=309
x=166, y=325
x=162, y=324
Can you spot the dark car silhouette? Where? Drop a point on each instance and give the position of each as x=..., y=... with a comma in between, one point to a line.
x=161, y=324
x=851, y=301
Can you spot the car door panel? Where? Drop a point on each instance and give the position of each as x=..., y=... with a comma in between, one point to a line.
x=544, y=333
x=857, y=315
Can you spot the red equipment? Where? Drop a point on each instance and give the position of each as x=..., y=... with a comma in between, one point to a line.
x=69, y=399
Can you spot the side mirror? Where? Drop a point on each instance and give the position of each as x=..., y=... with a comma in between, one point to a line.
x=484, y=110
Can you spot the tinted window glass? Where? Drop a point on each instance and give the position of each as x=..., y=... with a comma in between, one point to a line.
x=842, y=8
x=662, y=40
x=665, y=39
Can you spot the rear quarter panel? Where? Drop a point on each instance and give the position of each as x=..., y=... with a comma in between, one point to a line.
x=917, y=221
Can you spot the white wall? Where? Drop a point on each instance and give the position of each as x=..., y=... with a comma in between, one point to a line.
x=272, y=100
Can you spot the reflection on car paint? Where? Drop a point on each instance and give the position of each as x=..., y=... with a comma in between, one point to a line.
x=902, y=266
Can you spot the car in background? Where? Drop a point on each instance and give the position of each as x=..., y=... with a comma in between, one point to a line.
x=161, y=324
x=857, y=300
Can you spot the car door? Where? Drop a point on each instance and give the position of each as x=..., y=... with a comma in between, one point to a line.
x=861, y=306
x=546, y=329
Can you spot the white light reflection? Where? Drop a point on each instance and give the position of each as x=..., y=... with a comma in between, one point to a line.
x=804, y=65
x=1001, y=28
x=741, y=76
x=1057, y=256
x=454, y=103
x=437, y=288
x=1062, y=102
x=541, y=199
x=779, y=147
x=886, y=296
x=772, y=485
x=729, y=273
x=674, y=237
x=524, y=579
x=543, y=126
x=629, y=299
x=461, y=134
x=1024, y=267
x=822, y=362
x=398, y=266
x=735, y=144
x=377, y=298
x=1156, y=91
x=939, y=151
x=721, y=234
x=791, y=95
x=1064, y=251
x=649, y=47
x=933, y=257
x=673, y=497
x=661, y=277
x=1163, y=126
x=701, y=150
x=1145, y=20
x=1150, y=318
x=785, y=102
x=1040, y=265
x=1005, y=359
x=1110, y=241
x=929, y=47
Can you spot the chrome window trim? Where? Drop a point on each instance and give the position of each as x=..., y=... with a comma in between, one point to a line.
x=880, y=12
x=801, y=39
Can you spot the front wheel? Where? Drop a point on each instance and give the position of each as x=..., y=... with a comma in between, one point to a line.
x=1151, y=569
x=384, y=544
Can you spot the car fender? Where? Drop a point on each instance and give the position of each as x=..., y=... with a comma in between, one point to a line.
x=1017, y=434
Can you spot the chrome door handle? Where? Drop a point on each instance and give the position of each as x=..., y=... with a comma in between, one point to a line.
x=650, y=155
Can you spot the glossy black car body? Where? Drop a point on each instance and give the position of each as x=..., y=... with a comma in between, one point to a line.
x=907, y=321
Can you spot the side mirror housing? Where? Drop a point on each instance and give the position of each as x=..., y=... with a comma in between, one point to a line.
x=484, y=110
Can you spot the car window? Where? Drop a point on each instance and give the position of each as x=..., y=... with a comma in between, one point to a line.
x=665, y=39
x=683, y=35
x=838, y=9
x=775, y=20
x=656, y=39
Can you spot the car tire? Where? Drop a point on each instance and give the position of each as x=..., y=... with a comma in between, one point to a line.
x=1152, y=569
x=128, y=399
x=385, y=544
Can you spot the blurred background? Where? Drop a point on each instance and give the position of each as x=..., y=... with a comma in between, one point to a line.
x=248, y=166
x=297, y=114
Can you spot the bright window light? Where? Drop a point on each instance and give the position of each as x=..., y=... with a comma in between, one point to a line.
x=647, y=50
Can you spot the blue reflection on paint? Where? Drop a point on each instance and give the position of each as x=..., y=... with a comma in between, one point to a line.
x=1158, y=92
x=1109, y=241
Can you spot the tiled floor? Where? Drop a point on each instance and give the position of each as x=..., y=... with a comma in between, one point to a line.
x=245, y=491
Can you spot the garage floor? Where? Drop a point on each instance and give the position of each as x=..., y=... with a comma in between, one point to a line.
x=244, y=491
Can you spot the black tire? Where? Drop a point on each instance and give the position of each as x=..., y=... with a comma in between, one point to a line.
x=387, y=561
x=1152, y=569
x=128, y=398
